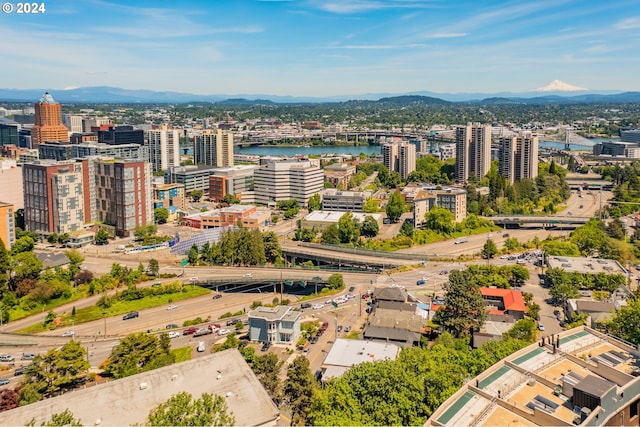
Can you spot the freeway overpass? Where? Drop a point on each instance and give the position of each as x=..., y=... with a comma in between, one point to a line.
x=546, y=221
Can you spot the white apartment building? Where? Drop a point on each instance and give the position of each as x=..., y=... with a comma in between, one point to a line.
x=452, y=199
x=399, y=157
x=164, y=148
x=276, y=181
x=213, y=148
x=518, y=157
x=351, y=201
x=473, y=151
x=72, y=122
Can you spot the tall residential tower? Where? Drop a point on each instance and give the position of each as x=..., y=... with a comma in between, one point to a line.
x=473, y=151
x=213, y=148
x=49, y=126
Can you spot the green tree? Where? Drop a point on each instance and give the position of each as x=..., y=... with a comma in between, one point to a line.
x=298, y=390
x=181, y=410
x=465, y=307
x=369, y=227
x=5, y=265
x=64, y=418
x=196, y=195
x=370, y=205
x=154, y=267
x=489, y=250
x=406, y=229
x=440, y=220
x=23, y=244
x=348, y=228
x=231, y=199
x=562, y=292
x=193, y=254
x=314, y=203
x=102, y=237
x=161, y=215
x=26, y=265
x=139, y=352
x=396, y=206
x=330, y=235
x=335, y=281
x=267, y=369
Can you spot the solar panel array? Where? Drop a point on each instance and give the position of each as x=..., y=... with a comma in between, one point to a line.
x=211, y=235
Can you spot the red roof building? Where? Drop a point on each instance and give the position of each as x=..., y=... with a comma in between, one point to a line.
x=501, y=302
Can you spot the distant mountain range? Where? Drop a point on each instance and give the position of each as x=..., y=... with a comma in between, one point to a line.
x=556, y=92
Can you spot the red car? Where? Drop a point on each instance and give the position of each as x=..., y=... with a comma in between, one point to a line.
x=365, y=296
x=189, y=331
x=325, y=326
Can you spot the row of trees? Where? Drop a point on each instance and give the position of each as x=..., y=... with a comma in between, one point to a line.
x=239, y=247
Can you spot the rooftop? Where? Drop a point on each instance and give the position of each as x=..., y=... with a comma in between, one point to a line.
x=586, y=265
x=326, y=216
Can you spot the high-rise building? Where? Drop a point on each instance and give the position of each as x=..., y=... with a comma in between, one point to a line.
x=88, y=123
x=49, y=126
x=518, y=156
x=73, y=122
x=473, y=151
x=192, y=177
x=122, y=193
x=399, y=157
x=234, y=180
x=213, y=148
x=164, y=148
x=276, y=181
x=54, y=197
x=9, y=133
x=117, y=135
x=7, y=225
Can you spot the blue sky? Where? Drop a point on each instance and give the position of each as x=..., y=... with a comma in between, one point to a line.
x=323, y=47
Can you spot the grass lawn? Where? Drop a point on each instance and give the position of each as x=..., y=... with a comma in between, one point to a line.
x=18, y=313
x=94, y=312
x=182, y=354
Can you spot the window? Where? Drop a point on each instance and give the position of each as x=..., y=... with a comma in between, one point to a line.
x=633, y=408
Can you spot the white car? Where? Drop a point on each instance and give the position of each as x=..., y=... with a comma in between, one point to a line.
x=329, y=301
x=174, y=334
x=172, y=307
x=70, y=333
x=317, y=306
x=223, y=332
x=248, y=275
x=201, y=347
x=350, y=296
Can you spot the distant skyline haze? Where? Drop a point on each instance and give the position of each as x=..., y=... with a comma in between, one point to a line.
x=323, y=48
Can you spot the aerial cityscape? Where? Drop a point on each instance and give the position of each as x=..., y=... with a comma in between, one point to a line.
x=272, y=212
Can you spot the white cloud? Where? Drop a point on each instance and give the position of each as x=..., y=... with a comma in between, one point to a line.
x=445, y=35
x=628, y=24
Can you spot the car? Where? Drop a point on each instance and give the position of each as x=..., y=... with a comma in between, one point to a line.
x=505, y=235
x=443, y=272
x=172, y=307
x=329, y=301
x=19, y=371
x=217, y=296
x=174, y=334
x=352, y=288
x=248, y=275
x=231, y=322
x=365, y=296
x=201, y=347
x=460, y=241
x=6, y=358
x=339, y=328
x=386, y=221
x=265, y=346
x=189, y=331
x=540, y=327
x=325, y=326
x=4, y=381
x=131, y=315
x=305, y=351
x=28, y=356
x=420, y=282
x=319, y=332
x=559, y=317
x=171, y=326
x=521, y=261
x=350, y=296
x=223, y=331
x=70, y=333
x=305, y=305
x=313, y=339
x=317, y=306
x=156, y=285
x=347, y=328
x=581, y=206
x=194, y=279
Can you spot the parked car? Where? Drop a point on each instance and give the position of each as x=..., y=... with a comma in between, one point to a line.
x=28, y=356
x=347, y=328
x=352, y=288
x=231, y=322
x=131, y=315
x=325, y=326
x=201, y=347
x=505, y=235
x=339, y=328
x=174, y=334
x=189, y=331
x=19, y=371
x=247, y=275
x=540, y=327
x=4, y=381
x=223, y=331
x=313, y=339
x=420, y=282
x=265, y=346
x=6, y=358
x=305, y=305
x=171, y=326
x=217, y=296
x=365, y=296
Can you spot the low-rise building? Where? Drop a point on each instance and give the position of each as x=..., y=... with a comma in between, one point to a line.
x=452, y=199
x=323, y=219
x=350, y=201
x=7, y=225
x=346, y=353
x=249, y=216
x=585, y=265
x=280, y=324
x=339, y=174
x=170, y=197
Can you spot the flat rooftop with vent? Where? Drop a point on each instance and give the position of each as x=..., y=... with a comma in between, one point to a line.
x=586, y=265
x=578, y=377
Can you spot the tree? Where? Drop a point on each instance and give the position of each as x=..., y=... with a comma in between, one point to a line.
x=465, y=307
x=139, y=352
x=154, y=267
x=335, y=281
x=330, y=235
x=440, y=220
x=193, y=254
x=370, y=206
x=196, y=195
x=489, y=250
x=406, y=229
x=5, y=265
x=230, y=199
x=161, y=215
x=395, y=206
x=298, y=390
x=26, y=265
x=369, y=227
x=314, y=203
x=64, y=418
x=23, y=244
x=267, y=369
x=348, y=228
x=181, y=410
x=102, y=237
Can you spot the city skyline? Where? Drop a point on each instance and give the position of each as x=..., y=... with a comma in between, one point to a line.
x=323, y=48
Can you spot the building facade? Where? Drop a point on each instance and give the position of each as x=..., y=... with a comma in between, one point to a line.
x=452, y=199
x=170, y=197
x=7, y=225
x=213, y=148
x=11, y=190
x=54, y=197
x=48, y=126
x=117, y=135
x=61, y=151
x=164, y=148
x=353, y=201
x=399, y=157
x=518, y=157
x=9, y=134
x=234, y=180
x=72, y=122
x=339, y=174
x=192, y=177
x=277, y=181
x=473, y=151
x=280, y=324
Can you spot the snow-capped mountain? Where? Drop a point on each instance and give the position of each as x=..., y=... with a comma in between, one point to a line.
x=559, y=86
